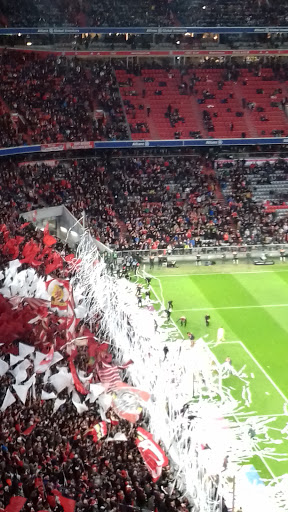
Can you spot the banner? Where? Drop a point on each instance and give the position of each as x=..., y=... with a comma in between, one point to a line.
x=179, y=29
x=59, y=291
x=49, y=163
x=153, y=455
x=97, y=431
x=67, y=145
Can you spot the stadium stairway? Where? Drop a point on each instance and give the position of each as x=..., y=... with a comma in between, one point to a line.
x=192, y=110
x=120, y=222
x=251, y=131
x=222, y=199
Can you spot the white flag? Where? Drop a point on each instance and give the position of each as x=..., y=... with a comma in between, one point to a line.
x=95, y=391
x=47, y=396
x=15, y=359
x=80, y=407
x=21, y=391
x=46, y=376
x=61, y=381
x=8, y=400
x=58, y=404
x=3, y=367
x=39, y=357
x=119, y=436
x=25, y=350
x=19, y=372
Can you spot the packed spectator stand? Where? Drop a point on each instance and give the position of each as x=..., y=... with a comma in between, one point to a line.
x=254, y=193
x=60, y=99
x=134, y=202
x=48, y=455
x=155, y=203
x=147, y=13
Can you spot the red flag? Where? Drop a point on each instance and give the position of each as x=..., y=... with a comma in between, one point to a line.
x=67, y=504
x=15, y=504
x=69, y=257
x=46, y=229
x=24, y=225
x=54, y=264
x=29, y=430
x=47, y=238
x=77, y=383
x=153, y=456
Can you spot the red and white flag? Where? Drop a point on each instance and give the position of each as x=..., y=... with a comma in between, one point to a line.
x=98, y=431
x=109, y=375
x=59, y=291
x=49, y=357
x=77, y=383
x=153, y=455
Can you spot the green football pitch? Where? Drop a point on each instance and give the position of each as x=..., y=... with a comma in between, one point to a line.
x=251, y=304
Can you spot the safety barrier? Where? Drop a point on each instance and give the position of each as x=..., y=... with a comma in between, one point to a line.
x=141, y=30
x=124, y=144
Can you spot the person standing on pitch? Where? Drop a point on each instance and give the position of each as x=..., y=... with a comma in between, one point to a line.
x=183, y=321
x=207, y=320
x=282, y=255
x=170, y=304
x=168, y=313
x=220, y=335
x=235, y=258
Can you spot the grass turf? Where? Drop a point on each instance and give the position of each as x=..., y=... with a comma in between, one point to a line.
x=251, y=303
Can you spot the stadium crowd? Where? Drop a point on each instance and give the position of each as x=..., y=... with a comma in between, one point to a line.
x=167, y=202
x=254, y=223
x=46, y=451
x=147, y=13
x=55, y=99
x=60, y=99
x=143, y=203
x=75, y=12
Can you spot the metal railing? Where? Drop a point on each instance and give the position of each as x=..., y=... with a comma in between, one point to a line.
x=208, y=252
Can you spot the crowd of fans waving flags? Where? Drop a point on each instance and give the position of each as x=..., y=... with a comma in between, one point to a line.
x=43, y=341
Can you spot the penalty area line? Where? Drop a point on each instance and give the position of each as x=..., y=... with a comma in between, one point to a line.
x=219, y=273
x=258, y=364
x=253, y=306
x=263, y=371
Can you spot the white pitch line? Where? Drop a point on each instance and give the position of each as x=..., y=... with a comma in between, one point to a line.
x=219, y=273
x=235, y=307
x=248, y=415
x=265, y=373
x=259, y=366
x=163, y=305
